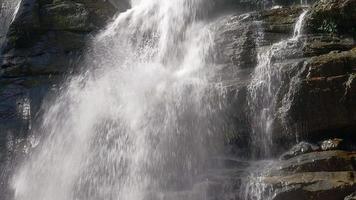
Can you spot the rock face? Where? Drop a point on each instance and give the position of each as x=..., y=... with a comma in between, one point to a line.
x=322, y=103
x=45, y=41
x=47, y=36
x=321, y=98
x=239, y=38
x=301, y=148
x=315, y=175
x=333, y=16
x=314, y=185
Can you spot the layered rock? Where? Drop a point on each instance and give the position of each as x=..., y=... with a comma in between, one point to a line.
x=322, y=103
x=333, y=16
x=239, y=39
x=314, y=175
x=46, y=36
x=43, y=44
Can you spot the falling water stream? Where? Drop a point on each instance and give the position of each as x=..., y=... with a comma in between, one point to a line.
x=263, y=94
x=264, y=89
x=140, y=123
x=143, y=120
x=8, y=11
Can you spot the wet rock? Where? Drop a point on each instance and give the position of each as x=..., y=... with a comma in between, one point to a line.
x=332, y=64
x=280, y=20
x=68, y=16
x=312, y=185
x=301, y=148
x=330, y=161
x=236, y=39
x=333, y=16
x=316, y=45
x=240, y=37
x=315, y=175
x=291, y=2
x=325, y=99
x=351, y=196
x=45, y=40
x=47, y=36
x=331, y=144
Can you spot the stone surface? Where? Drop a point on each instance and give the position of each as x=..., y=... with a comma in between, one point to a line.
x=333, y=16
x=239, y=37
x=317, y=161
x=301, y=148
x=325, y=100
x=44, y=42
x=316, y=175
x=316, y=45
x=313, y=185
x=331, y=144
x=47, y=36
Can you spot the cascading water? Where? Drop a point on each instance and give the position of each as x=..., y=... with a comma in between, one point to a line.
x=142, y=122
x=263, y=93
x=264, y=89
x=8, y=11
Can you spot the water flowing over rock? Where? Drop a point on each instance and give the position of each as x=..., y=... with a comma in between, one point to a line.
x=151, y=133
x=8, y=11
x=178, y=99
x=264, y=89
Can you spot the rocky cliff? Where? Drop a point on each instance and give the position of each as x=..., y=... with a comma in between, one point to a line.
x=314, y=116
x=44, y=43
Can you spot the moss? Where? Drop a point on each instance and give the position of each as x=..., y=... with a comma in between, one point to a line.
x=328, y=26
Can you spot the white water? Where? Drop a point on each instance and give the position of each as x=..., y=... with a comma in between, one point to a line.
x=264, y=88
x=263, y=91
x=139, y=124
x=8, y=11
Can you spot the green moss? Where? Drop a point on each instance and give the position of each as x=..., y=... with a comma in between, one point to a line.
x=328, y=26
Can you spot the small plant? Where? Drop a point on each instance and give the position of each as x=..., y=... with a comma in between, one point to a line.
x=328, y=26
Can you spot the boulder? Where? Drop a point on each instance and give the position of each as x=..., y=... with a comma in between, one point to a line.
x=316, y=175
x=331, y=144
x=312, y=185
x=301, y=148
x=317, y=161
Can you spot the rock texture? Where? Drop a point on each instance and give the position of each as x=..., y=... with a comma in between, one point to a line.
x=313, y=185
x=43, y=44
x=321, y=93
x=333, y=16
x=239, y=38
x=47, y=36
x=322, y=102
x=315, y=175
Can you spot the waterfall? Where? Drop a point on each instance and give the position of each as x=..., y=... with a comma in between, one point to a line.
x=141, y=121
x=8, y=11
x=264, y=88
x=263, y=94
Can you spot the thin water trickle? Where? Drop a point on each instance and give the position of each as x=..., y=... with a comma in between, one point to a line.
x=8, y=11
x=264, y=88
x=140, y=122
x=263, y=94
